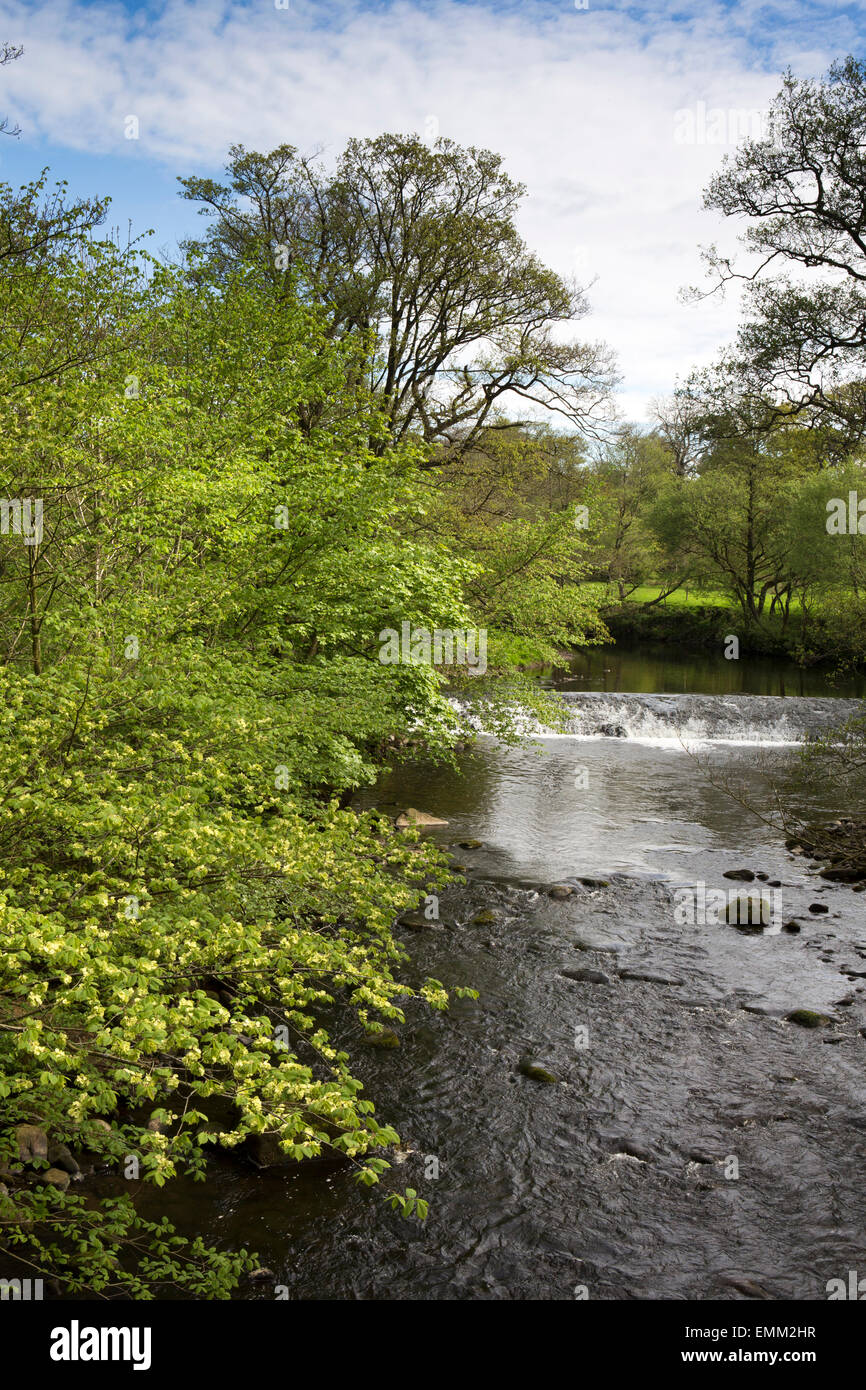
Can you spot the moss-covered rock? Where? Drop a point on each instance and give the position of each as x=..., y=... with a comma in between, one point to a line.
x=536, y=1070
x=807, y=1018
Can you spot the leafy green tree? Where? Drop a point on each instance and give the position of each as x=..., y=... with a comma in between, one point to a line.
x=414, y=249
x=182, y=894
x=630, y=473
x=802, y=190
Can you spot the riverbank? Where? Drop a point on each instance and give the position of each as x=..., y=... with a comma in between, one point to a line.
x=817, y=640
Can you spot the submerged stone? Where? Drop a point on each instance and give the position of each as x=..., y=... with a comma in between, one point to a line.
x=412, y=817
x=535, y=1070
x=807, y=1018
x=586, y=976
x=485, y=918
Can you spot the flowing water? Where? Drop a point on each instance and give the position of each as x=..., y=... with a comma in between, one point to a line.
x=696, y=1144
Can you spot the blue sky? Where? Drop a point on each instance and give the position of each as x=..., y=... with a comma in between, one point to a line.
x=586, y=106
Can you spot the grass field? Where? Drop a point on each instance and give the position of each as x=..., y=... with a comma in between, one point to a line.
x=692, y=598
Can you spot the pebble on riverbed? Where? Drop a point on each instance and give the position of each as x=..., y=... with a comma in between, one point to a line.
x=535, y=1070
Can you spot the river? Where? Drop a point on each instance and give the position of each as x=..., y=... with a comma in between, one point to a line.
x=696, y=1144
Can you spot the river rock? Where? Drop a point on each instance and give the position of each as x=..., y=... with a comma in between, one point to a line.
x=604, y=945
x=741, y=875
x=469, y=844
x=416, y=921
x=634, y=1149
x=808, y=1018
x=586, y=976
x=485, y=918
x=792, y=928
x=32, y=1143
x=560, y=891
x=411, y=817
x=748, y=910
x=55, y=1177
x=613, y=731
x=535, y=1070
x=386, y=1039
x=594, y=882
x=60, y=1157
x=818, y=908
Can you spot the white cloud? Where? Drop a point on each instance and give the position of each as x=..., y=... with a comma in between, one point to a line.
x=581, y=103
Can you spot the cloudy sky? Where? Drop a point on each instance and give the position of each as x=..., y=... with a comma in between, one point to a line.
x=585, y=104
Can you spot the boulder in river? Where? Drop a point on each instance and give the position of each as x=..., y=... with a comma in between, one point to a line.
x=748, y=910
x=808, y=1018
x=55, y=1177
x=560, y=891
x=742, y=875
x=411, y=817
x=385, y=1039
x=416, y=921
x=60, y=1157
x=818, y=908
x=535, y=1070
x=32, y=1143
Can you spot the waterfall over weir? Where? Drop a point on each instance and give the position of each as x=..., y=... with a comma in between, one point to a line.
x=672, y=720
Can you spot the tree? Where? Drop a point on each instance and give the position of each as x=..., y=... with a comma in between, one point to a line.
x=630, y=473
x=678, y=420
x=213, y=579
x=803, y=188
x=510, y=504
x=9, y=53
x=415, y=250
x=730, y=527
